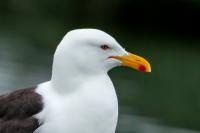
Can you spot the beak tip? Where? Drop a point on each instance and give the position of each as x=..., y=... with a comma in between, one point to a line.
x=149, y=70
x=143, y=68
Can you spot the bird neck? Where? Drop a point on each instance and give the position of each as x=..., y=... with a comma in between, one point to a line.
x=67, y=78
x=66, y=85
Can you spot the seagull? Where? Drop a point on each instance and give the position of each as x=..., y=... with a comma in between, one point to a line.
x=80, y=96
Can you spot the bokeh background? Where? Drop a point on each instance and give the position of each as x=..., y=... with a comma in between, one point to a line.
x=166, y=32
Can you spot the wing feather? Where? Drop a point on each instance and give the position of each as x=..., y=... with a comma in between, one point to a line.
x=17, y=110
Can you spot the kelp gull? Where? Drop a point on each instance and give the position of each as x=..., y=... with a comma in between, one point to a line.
x=80, y=97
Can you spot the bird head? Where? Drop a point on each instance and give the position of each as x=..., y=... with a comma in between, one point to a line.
x=94, y=51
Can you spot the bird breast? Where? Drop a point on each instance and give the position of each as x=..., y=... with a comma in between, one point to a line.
x=93, y=108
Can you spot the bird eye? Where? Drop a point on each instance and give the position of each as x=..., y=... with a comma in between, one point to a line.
x=105, y=47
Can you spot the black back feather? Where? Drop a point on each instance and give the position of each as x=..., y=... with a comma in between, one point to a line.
x=17, y=109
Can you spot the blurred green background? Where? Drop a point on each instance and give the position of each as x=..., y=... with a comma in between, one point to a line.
x=166, y=32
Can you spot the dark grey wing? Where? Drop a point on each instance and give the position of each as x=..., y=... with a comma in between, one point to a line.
x=17, y=109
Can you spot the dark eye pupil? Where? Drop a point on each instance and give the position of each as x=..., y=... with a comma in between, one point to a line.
x=104, y=47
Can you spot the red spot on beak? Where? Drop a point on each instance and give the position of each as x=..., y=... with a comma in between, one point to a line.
x=142, y=68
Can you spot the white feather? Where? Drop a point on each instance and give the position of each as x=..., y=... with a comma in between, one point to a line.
x=80, y=97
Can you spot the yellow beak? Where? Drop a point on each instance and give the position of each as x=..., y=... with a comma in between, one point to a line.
x=134, y=61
